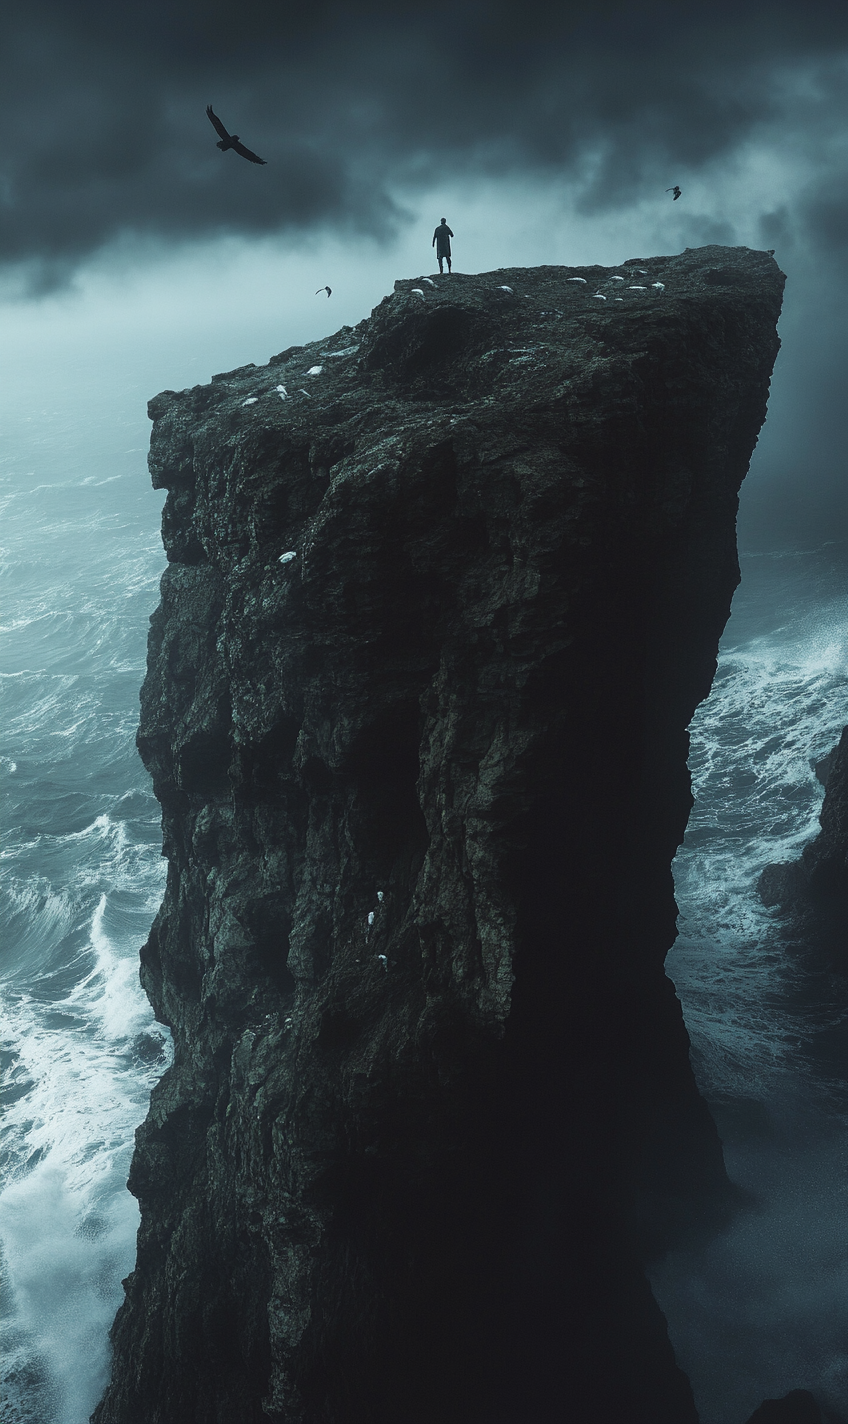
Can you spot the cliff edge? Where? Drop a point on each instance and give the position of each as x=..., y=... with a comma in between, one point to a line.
x=444, y=591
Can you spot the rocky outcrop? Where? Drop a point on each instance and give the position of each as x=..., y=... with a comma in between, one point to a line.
x=818, y=880
x=444, y=592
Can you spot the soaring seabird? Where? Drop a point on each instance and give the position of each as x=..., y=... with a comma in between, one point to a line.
x=676, y=191
x=230, y=140
x=328, y=290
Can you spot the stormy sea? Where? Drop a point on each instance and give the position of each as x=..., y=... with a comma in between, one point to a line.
x=753, y=1312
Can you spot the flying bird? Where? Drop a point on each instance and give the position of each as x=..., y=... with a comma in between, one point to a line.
x=230, y=140
x=328, y=290
x=676, y=191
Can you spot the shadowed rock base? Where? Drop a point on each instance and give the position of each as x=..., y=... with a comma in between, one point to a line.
x=431, y=1106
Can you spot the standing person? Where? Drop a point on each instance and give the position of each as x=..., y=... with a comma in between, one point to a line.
x=441, y=242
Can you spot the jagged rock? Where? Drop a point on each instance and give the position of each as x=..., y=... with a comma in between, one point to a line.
x=821, y=872
x=796, y=1407
x=431, y=1106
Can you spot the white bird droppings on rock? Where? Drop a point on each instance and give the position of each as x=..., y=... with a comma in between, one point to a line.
x=251, y=400
x=287, y=557
x=506, y=289
x=637, y=289
x=658, y=286
x=429, y=281
x=600, y=296
x=315, y=370
x=380, y=896
x=577, y=279
x=616, y=279
x=416, y=291
x=370, y=918
x=302, y=392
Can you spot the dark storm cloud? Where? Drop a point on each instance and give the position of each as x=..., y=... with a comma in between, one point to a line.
x=105, y=131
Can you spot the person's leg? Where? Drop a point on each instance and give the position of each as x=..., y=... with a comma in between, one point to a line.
x=441, y=268
x=449, y=264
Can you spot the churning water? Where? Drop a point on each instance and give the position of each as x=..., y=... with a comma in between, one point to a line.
x=81, y=879
x=752, y=1314
x=763, y=1308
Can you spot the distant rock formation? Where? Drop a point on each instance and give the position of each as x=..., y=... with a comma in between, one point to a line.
x=822, y=870
x=431, y=1106
x=796, y=1407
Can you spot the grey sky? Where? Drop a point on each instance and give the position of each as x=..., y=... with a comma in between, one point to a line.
x=105, y=131
x=566, y=121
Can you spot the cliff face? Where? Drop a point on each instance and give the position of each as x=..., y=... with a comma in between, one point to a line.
x=422, y=783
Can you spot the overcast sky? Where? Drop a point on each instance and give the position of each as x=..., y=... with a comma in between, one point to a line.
x=546, y=132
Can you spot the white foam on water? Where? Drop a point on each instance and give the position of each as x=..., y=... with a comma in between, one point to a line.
x=777, y=706
x=761, y=1309
x=67, y=1223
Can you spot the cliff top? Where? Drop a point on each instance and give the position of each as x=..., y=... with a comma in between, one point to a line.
x=475, y=337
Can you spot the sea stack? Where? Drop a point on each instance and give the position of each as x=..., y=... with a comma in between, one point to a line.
x=431, y=1108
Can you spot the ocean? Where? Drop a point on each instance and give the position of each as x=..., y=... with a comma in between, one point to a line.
x=81, y=876
x=752, y=1313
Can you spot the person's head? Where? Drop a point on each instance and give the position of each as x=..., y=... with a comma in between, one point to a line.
x=444, y=222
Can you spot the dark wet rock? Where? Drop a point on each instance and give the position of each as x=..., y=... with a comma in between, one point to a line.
x=431, y=1107
x=814, y=888
x=797, y=1407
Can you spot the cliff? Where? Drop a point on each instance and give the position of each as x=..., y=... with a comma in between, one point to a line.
x=444, y=591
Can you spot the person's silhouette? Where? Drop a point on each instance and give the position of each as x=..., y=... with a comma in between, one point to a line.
x=441, y=242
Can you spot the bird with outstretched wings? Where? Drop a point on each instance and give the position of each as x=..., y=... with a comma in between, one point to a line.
x=230, y=140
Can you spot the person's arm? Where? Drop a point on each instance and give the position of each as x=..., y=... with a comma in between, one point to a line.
x=450, y=234
x=435, y=235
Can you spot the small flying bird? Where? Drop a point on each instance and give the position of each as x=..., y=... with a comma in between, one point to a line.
x=676, y=191
x=328, y=290
x=230, y=140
